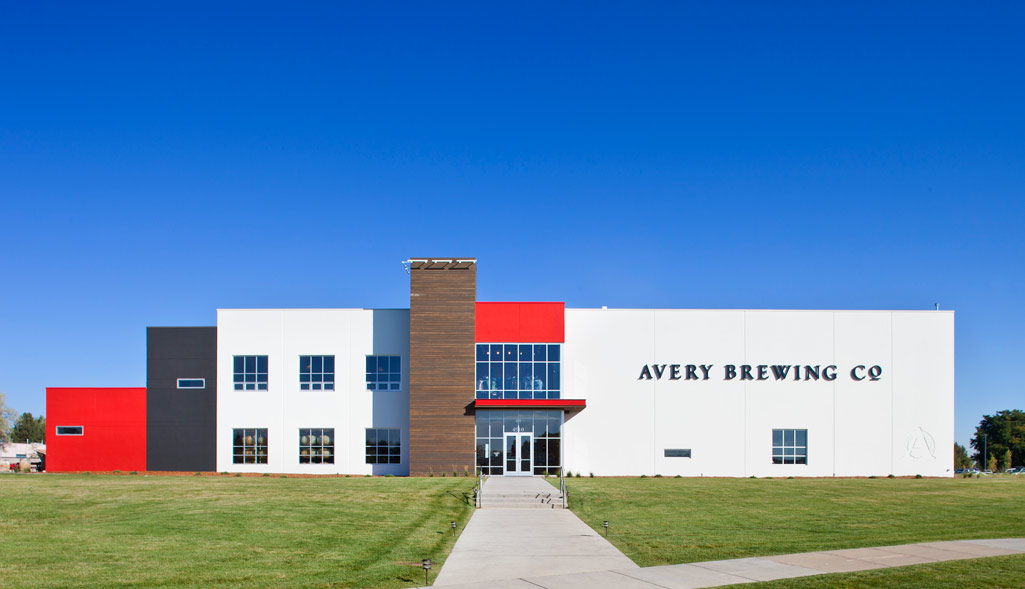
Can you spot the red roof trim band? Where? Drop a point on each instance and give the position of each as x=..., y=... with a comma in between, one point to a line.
x=569, y=404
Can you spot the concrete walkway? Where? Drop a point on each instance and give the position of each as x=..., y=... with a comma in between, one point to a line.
x=749, y=570
x=501, y=543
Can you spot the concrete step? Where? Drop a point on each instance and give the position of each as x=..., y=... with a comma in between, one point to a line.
x=522, y=500
x=522, y=505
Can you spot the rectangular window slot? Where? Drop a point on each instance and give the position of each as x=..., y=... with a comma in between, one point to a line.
x=191, y=383
x=677, y=453
x=70, y=430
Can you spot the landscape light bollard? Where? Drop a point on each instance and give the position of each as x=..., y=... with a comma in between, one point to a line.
x=453, y=529
x=427, y=570
x=606, y=528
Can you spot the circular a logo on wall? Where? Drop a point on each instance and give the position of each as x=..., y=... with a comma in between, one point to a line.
x=920, y=444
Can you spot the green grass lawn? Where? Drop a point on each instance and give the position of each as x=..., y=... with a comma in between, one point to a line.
x=997, y=571
x=74, y=530
x=657, y=521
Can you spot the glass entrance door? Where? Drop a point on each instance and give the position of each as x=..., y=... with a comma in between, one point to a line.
x=519, y=453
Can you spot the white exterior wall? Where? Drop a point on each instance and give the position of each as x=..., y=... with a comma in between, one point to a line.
x=901, y=424
x=285, y=334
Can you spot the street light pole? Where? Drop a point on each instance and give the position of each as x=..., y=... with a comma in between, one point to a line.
x=985, y=452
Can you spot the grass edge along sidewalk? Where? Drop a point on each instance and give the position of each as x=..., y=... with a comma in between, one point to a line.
x=987, y=572
x=657, y=521
x=102, y=530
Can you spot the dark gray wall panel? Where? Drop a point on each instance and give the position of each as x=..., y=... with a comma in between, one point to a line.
x=181, y=425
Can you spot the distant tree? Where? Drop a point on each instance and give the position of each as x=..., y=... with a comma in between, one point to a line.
x=1005, y=460
x=29, y=428
x=6, y=417
x=961, y=459
x=999, y=433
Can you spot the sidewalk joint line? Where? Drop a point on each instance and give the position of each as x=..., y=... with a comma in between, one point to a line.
x=636, y=579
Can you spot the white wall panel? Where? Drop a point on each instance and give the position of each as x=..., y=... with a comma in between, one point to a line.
x=901, y=423
x=923, y=393
x=603, y=353
x=286, y=334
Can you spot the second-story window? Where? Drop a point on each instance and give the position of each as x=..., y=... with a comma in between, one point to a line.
x=317, y=373
x=384, y=373
x=250, y=373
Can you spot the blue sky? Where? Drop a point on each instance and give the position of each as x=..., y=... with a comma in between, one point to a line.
x=158, y=161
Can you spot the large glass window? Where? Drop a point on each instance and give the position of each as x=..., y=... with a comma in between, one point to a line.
x=383, y=446
x=317, y=446
x=251, y=373
x=250, y=446
x=384, y=373
x=317, y=373
x=518, y=371
x=546, y=427
x=790, y=446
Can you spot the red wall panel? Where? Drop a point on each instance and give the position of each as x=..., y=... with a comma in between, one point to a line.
x=521, y=322
x=114, y=422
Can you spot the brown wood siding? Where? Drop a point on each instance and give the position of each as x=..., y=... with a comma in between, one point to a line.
x=441, y=363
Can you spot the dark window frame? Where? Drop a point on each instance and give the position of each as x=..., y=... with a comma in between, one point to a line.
x=318, y=451
x=381, y=378
x=248, y=375
x=787, y=452
x=390, y=452
x=310, y=378
x=241, y=445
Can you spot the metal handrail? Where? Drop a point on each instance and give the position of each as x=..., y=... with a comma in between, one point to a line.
x=562, y=485
x=480, y=487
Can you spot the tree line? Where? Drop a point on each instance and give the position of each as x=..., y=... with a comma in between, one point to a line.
x=1001, y=437
x=20, y=429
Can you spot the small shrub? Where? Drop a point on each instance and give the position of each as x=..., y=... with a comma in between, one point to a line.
x=266, y=474
x=577, y=475
x=793, y=477
x=752, y=477
x=873, y=477
x=366, y=476
x=658, y=476
x=569, y=473
x=348, y=476
x=466, y=472
x=389, y=475
x=644, y=476
x=443, y=475
x=430, y=474
x=87, y=472
x=679, y=476
x=918, y=476
x=890, y=476
x=198, y=474
x=224, y=472
x=284, y=476
x=134, y=472
x=591, y=475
